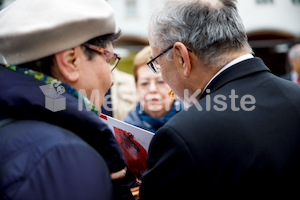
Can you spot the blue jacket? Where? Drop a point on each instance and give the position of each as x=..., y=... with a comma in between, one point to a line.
x=64, y=155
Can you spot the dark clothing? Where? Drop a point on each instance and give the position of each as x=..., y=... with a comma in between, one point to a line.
x=287, y=76
x=61, y=155
x=232, y=153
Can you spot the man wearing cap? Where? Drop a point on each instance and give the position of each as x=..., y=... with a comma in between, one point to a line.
x=55, y=56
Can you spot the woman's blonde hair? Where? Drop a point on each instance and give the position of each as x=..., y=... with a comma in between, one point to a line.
x=141, y=58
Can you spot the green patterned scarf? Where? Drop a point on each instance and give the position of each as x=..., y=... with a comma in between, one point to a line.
x=50, y=80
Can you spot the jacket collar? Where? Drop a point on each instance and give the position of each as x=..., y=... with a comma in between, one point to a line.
x=239, y=70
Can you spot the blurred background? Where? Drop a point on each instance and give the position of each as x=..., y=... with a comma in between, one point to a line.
x=272, y=27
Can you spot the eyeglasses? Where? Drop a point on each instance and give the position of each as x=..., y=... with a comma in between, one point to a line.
x=113, y=57
x=153, y=65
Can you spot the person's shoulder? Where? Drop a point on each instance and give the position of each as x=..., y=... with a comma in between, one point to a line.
x=186, y=121
x=197, y=124
x=286, y=76
x=28, y=141
x=287, y=87
x=189, y=114
x=35, y=134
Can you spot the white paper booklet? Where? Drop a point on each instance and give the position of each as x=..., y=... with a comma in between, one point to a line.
x=134, y=143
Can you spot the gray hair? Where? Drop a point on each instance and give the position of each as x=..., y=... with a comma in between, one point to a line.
x=209, y=28
x=294, y=52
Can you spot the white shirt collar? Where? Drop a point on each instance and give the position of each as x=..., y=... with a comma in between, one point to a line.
x=233, y=62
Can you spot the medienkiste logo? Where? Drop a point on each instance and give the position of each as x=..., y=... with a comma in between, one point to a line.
x=54, y=101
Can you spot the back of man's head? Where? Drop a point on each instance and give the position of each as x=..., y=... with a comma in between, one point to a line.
x=211, y=29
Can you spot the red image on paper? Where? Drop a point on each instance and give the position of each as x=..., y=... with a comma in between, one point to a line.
x=134, y=153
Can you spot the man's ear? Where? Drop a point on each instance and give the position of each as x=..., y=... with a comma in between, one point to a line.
x=68, y=64
x=182, y=57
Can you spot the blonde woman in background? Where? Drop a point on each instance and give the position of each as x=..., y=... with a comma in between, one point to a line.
x=155, y=107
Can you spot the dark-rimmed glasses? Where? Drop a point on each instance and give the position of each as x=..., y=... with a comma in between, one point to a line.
x=113, y=57
x=153, y=65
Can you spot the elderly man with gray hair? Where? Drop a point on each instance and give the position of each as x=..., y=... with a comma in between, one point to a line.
x=239, y=137
x=55, y=56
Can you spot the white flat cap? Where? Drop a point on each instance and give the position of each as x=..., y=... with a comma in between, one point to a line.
x=33, y=29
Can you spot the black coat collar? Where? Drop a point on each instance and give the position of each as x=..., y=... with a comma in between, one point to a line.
x=239, y=70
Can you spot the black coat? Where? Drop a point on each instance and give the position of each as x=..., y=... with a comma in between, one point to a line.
x=232, y=153
x=287, y=76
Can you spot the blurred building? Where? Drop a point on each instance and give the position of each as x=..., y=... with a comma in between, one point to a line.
x=272, y=26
